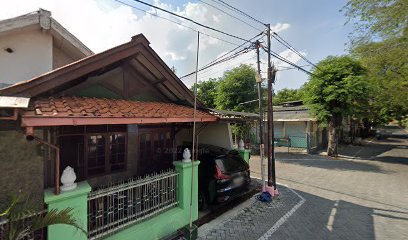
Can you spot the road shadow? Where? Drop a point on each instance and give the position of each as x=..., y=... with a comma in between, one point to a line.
x=369, y=150
x=321, y=218
x=337, y=164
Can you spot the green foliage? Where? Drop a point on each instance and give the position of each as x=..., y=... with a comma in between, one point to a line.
x=207, y=92
x=286, y=95
x=387, y=64
x=19, y=210
x=237, y=86
x=377, y=18
x=338, y=88
x=380, y=42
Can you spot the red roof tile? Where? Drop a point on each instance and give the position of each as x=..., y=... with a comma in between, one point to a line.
x=74, y=107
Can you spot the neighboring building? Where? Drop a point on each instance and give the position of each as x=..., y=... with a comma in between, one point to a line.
x=33, y=44
x=114, y=117
x=295, y=127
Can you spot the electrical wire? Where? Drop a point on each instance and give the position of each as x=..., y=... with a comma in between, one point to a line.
x=282, y=41
x=215, y=61
x=244, y=22
x=180, y=24
x=239, y=11
x=243, y=51
x=190, y=20
x=276, y=55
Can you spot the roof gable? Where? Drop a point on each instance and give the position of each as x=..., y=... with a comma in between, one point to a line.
x=42, y=19
x=136, y=56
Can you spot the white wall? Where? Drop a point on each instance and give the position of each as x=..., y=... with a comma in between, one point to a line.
x=60, y=58
x=32, y=55
x=217, y=134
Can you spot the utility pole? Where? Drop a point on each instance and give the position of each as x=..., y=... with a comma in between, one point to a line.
x=273, y=133
x=270, y=140
x=261, y=120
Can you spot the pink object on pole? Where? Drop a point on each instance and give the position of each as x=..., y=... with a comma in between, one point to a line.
x=270, y=190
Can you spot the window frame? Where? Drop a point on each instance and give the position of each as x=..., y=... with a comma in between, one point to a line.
x=108, y=166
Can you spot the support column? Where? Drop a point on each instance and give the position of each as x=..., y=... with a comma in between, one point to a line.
x=184, y=194
x=76, y=199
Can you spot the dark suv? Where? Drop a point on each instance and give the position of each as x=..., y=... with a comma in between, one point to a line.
x=222, y=174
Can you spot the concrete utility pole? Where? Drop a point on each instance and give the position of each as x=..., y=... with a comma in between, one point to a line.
x=270, y=140
x=261, y=120
x=269, y=146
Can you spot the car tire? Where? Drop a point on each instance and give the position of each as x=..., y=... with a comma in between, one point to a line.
x=202, y=201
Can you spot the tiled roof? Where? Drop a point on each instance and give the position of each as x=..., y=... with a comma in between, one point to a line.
x=67, y=107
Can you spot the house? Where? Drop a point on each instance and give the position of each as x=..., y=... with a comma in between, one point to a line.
x=115, y=117
x=295, y=127
x=33, y=44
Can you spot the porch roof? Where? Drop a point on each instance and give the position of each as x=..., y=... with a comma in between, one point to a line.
x=93, y=111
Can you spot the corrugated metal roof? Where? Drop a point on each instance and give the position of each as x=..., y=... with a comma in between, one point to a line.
x=14, y=102
x=293, y=114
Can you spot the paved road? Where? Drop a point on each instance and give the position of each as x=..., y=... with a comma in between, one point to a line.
x=363, y=197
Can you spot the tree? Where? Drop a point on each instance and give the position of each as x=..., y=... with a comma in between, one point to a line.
x=286, y=95
x=237, y=86
x=380, y=42
x=337, y=88
x=387, y=64
x=377, y=19
x=207, y=92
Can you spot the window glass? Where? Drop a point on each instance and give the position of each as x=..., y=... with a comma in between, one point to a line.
x=96, y=154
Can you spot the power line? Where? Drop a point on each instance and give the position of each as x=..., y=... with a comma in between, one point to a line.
x=191, y=20
x=219, y=9
x=217, y=60
x=282, y=68
x=242, y=51
x=290, y=47
x=232, y=65
x=276, y=55
x=180, y=24
x=241, y=12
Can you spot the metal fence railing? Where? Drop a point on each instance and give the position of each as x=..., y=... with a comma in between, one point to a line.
x=23, y=224
x=117, y=206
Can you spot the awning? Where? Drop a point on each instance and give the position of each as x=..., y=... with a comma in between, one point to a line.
x=95, y=111
x=14, y=102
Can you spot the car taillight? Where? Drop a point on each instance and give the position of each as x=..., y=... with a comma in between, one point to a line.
x=219, y=175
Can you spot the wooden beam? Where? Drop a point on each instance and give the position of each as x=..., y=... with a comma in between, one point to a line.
x=133, y=71
x=76, y=121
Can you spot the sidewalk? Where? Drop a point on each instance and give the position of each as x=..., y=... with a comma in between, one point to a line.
x=253, y=219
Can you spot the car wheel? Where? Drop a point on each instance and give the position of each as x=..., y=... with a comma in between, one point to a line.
x=202, y=201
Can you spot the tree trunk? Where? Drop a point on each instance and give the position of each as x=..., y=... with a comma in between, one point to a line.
x=333, y=131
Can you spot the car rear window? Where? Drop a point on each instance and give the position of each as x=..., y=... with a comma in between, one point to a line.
x=231, y=164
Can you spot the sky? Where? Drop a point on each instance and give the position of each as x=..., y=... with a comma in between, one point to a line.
x=314, y=27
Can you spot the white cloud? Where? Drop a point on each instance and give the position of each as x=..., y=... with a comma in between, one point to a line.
x=291, y=56
x=104, y=24
x=279, y=27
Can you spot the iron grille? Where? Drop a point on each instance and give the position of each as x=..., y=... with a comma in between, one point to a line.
x=118, y=205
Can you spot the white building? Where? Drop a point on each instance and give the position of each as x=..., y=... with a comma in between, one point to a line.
x=33, y=44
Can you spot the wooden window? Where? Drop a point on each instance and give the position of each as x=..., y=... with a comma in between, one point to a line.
x=96, y=154
x=155, y=146
x=93, y=150
x=117, y=148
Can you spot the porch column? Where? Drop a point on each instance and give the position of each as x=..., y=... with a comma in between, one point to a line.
x=76, y=199
x=184, y=187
